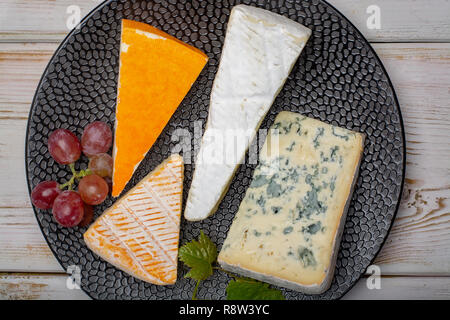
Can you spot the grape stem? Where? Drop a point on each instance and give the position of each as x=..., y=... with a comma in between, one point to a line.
x=75, y=176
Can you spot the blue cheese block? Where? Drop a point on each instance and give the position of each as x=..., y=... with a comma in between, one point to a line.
x=288, y=227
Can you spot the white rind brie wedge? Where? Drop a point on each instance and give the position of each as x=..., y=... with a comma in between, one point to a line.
x=259, y=52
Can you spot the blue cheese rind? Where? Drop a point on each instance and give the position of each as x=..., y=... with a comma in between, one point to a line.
x=288, y=227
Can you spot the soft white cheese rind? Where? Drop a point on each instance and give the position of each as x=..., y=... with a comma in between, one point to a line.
x=259, y=52
x=256, y=247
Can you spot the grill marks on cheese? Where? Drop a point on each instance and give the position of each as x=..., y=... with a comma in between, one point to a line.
x=140, y=232
x=156, y=72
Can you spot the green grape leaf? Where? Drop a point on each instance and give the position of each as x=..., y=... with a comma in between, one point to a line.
x=249, y=289
x=199, y=256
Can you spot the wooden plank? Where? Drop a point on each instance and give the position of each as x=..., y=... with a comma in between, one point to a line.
x=39, y=20
x=13, y=186
x=407, y=288
x=38, y=287
x=401, y=20
x=54, y=287
x=21, y=67
x=421, y=231
x=419, y=241
x=22, y=245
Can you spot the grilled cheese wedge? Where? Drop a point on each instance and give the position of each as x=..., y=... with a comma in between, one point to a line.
x=139, y=234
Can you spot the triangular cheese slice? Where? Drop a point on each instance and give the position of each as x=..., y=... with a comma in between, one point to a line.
x=156, y=72
x=259, y=52
x=139, y=234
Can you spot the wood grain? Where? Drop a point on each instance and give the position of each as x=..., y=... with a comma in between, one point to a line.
x=420, y=239
x=401, y=20
x=13, y=186
x=21, y=66
x=39, y=287
x=419, y=242
x=22, y=245
x=401, y=287
x=38, y=20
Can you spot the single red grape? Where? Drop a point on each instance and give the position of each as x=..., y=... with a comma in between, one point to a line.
x=88, y=215
x=96, y=138
x=68, y=208
x=64, y=146
x=101, y=164
x=44, y=194
x=93, y=189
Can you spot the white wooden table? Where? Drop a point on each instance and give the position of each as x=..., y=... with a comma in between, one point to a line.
x=414, y=45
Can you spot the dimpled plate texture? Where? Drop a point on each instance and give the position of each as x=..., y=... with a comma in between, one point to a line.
x=337, y=79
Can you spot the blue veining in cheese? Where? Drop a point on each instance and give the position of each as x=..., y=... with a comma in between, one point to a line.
x=288, y=226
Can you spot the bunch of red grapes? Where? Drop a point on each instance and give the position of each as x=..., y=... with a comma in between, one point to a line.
x=69, y=207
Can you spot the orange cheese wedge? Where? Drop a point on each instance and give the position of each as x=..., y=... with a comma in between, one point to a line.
x=156, y=72
x=139, y=234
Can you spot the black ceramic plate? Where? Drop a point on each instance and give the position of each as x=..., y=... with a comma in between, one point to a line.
x=337, y=79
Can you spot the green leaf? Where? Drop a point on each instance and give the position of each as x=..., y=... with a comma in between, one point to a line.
x=249, y=289
x=199, y=256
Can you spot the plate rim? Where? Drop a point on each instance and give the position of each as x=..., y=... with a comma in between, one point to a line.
x=341, y=16
x=402, y=126
x=57, y=50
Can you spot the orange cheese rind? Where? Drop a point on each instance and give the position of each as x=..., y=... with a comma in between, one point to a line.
x=139, y=233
